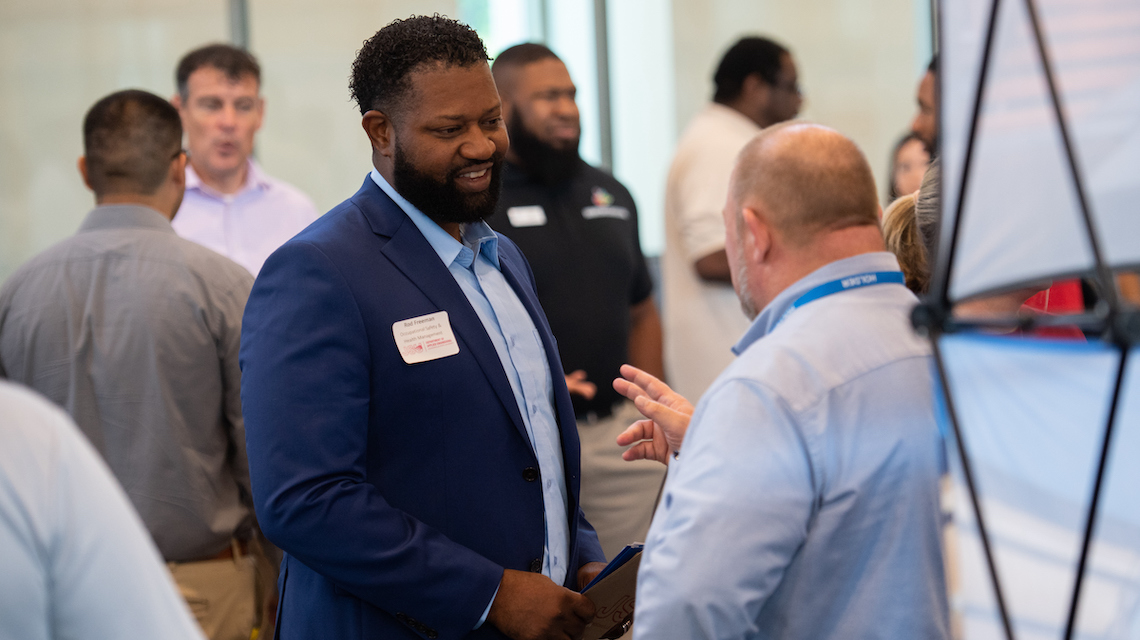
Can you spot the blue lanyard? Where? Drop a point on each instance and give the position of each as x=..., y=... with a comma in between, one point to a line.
x=845, y=284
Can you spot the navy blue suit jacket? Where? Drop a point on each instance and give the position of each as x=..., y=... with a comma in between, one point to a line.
x=398, y=492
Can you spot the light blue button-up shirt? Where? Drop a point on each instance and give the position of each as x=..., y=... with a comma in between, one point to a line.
x=474, y=264
x=804, y=504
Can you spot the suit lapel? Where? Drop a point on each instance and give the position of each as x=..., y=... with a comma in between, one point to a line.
x=410, y=252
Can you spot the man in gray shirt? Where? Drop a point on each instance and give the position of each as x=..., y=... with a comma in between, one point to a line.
x=135, y=331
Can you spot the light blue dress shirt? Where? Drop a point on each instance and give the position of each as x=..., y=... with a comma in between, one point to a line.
x=804, y=503
x=75, y=560
x=474, y=264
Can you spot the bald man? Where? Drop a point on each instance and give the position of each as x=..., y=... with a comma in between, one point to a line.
x=803, y=501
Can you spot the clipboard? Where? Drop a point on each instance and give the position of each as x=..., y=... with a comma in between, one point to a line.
x=612, y=591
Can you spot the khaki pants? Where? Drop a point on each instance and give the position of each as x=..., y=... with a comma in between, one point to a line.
x=221, y=594
x=618, y=497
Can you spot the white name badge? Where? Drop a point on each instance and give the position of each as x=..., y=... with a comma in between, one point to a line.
x=425, y=338
x=591, y=213
x=531, y=216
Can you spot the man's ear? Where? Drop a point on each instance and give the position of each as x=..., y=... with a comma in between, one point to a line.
x=260, y=113
x=176, y=100
x=757, y=236
x=508, y=111
x=82, y=164
x=755, y=89
x=178, y=171
x=381, y=131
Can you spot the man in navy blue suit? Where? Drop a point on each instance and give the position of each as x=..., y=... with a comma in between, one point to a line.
x=412, y=444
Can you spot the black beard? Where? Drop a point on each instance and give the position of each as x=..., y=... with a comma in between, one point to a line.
x=541, y=161
x=444, y=202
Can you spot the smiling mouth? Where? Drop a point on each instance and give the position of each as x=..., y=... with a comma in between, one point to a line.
x=471, y=175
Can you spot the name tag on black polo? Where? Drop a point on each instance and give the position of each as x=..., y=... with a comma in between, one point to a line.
x=591, y=213
x=529, y=216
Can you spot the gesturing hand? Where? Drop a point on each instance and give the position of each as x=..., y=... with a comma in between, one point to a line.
x=668, y=414
x=529, y=606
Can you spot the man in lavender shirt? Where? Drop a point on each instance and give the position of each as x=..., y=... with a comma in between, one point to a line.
x=231, y=205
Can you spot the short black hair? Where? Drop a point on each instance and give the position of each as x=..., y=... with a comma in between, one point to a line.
x=933, y=66
x=752, y=54
x=380, y=72
x=228, y=59
x=523, y=54
x=129, y=139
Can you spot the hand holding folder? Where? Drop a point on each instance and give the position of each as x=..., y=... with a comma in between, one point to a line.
x=612, y=592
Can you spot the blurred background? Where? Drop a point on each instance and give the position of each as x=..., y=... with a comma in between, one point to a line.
x=643, y=68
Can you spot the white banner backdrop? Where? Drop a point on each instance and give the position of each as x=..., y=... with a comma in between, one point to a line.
x=1022, y=219
x=1032, y=414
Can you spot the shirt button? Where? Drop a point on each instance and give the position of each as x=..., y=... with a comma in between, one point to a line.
x=530, y=474
x=536, y=565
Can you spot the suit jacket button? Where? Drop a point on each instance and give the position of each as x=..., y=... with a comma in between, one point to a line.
x=536, y=565
x=530, y=474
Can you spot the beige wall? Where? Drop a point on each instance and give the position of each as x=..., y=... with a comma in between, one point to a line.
x=857, y=60
x=312, y=136
x=57, y=57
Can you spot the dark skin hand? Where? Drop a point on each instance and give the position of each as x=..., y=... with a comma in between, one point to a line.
x=588, y=572
x=714, y=267
x=530, y=606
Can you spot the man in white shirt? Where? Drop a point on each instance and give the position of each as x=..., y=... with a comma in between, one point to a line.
x=231, y=205
x=756, y=86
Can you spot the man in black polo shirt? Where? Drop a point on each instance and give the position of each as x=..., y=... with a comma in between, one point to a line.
x=577, y=226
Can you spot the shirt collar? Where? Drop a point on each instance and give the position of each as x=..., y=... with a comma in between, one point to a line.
x=477, y=236
x=766, y=322
x=255, y=178
x=125, y=216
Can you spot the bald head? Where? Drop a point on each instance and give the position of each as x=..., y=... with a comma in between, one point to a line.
x=807, y=179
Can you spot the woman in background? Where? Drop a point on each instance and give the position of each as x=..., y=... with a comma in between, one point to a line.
x=908, y=164
x=902, y=236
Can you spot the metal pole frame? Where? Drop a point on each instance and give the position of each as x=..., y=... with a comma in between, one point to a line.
x=942, y=311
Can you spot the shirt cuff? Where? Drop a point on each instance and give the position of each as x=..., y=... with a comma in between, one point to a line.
x=483, y=618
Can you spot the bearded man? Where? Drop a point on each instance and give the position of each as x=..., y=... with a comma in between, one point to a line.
x=411, y=438
x=577, y=227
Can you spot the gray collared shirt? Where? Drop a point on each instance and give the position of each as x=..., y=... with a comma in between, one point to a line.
x=135, y=332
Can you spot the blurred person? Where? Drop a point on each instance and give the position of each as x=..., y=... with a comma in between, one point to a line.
x=232, y=206
x=577, y=227
x=412, y=443
x=804, y=499
x=908, y=164
x=925, y=123
x=134, y=331
x=903, y=238
x=75, y=561
x=756, y=86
